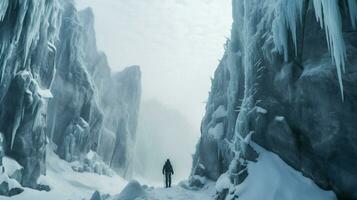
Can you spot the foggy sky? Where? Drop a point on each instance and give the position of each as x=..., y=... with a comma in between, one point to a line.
x=177, y=43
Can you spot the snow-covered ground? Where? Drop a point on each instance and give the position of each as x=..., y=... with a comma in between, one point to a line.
x=67, y=184
x=270, y=179
x=179, y=193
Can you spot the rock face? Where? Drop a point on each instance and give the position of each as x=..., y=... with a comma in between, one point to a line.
x=122, y=119
x=56, y=87
x=25, y=80
x=280, y=80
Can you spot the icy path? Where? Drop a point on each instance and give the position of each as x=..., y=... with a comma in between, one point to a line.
x=179, y=193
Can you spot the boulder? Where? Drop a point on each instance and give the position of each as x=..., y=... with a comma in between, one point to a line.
x=133, y=190
x=96, y=196
x=9, y=187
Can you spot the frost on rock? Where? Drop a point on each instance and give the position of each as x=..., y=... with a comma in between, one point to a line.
x=25, y=121
x=220, y=112
x=277, y=63
x=223, y=183
x=287, y=17
x=76, y=142
x=56, y=87
x=3, y=8
x=217, y=132
x=261, y=110
x=25, y=80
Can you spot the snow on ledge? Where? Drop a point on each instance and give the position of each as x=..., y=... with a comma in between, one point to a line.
x=220, y=112
x=272, y=179
x=261, y=110
x=10, y=165
x=45, y=93
x=217, y=132
x=279, y=118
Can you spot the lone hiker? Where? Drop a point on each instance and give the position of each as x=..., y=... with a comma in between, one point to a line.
x=167, y=171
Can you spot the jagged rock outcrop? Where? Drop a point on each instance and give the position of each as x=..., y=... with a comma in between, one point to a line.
x=23, y=119
x=122, y=119
x=25, y=80
x=288, y=77
x=86, y=91
x=56, y=87
x=73, y=88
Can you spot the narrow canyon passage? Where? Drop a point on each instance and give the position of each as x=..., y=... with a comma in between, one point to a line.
x=229, y=99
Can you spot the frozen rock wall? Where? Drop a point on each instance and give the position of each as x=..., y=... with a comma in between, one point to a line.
x=85, y=90
x=27, y=34
x=288, y=78
x=56, y=87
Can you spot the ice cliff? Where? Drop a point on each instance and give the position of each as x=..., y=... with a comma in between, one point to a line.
x=287, y=81
x=56, y=87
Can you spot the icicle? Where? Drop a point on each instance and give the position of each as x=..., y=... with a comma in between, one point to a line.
x=328, y=14
x=287, y=15
x=19, y=116
x=352, y=7
x=3, y=8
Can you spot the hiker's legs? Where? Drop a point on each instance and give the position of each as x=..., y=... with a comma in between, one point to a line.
x=169, y=180
x=166, y=179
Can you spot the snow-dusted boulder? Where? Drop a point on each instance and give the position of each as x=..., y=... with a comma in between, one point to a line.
x=7, y=190
x=196, y=182
x=13, y=169
x=132, y=191
x=96, y=196
x=92, y=163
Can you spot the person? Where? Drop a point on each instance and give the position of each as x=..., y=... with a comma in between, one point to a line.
x=167, y=171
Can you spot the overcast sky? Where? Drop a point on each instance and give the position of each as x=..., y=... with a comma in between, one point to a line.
x=177, y=43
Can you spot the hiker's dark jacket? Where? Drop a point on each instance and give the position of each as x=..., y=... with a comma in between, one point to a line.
x=167, y=169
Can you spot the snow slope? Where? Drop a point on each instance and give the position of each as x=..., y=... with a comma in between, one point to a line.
x=272, y=179
x=69, y=185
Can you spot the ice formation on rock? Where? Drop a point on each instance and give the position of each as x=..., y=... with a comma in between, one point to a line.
x=277, y=82
x=57, y=88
